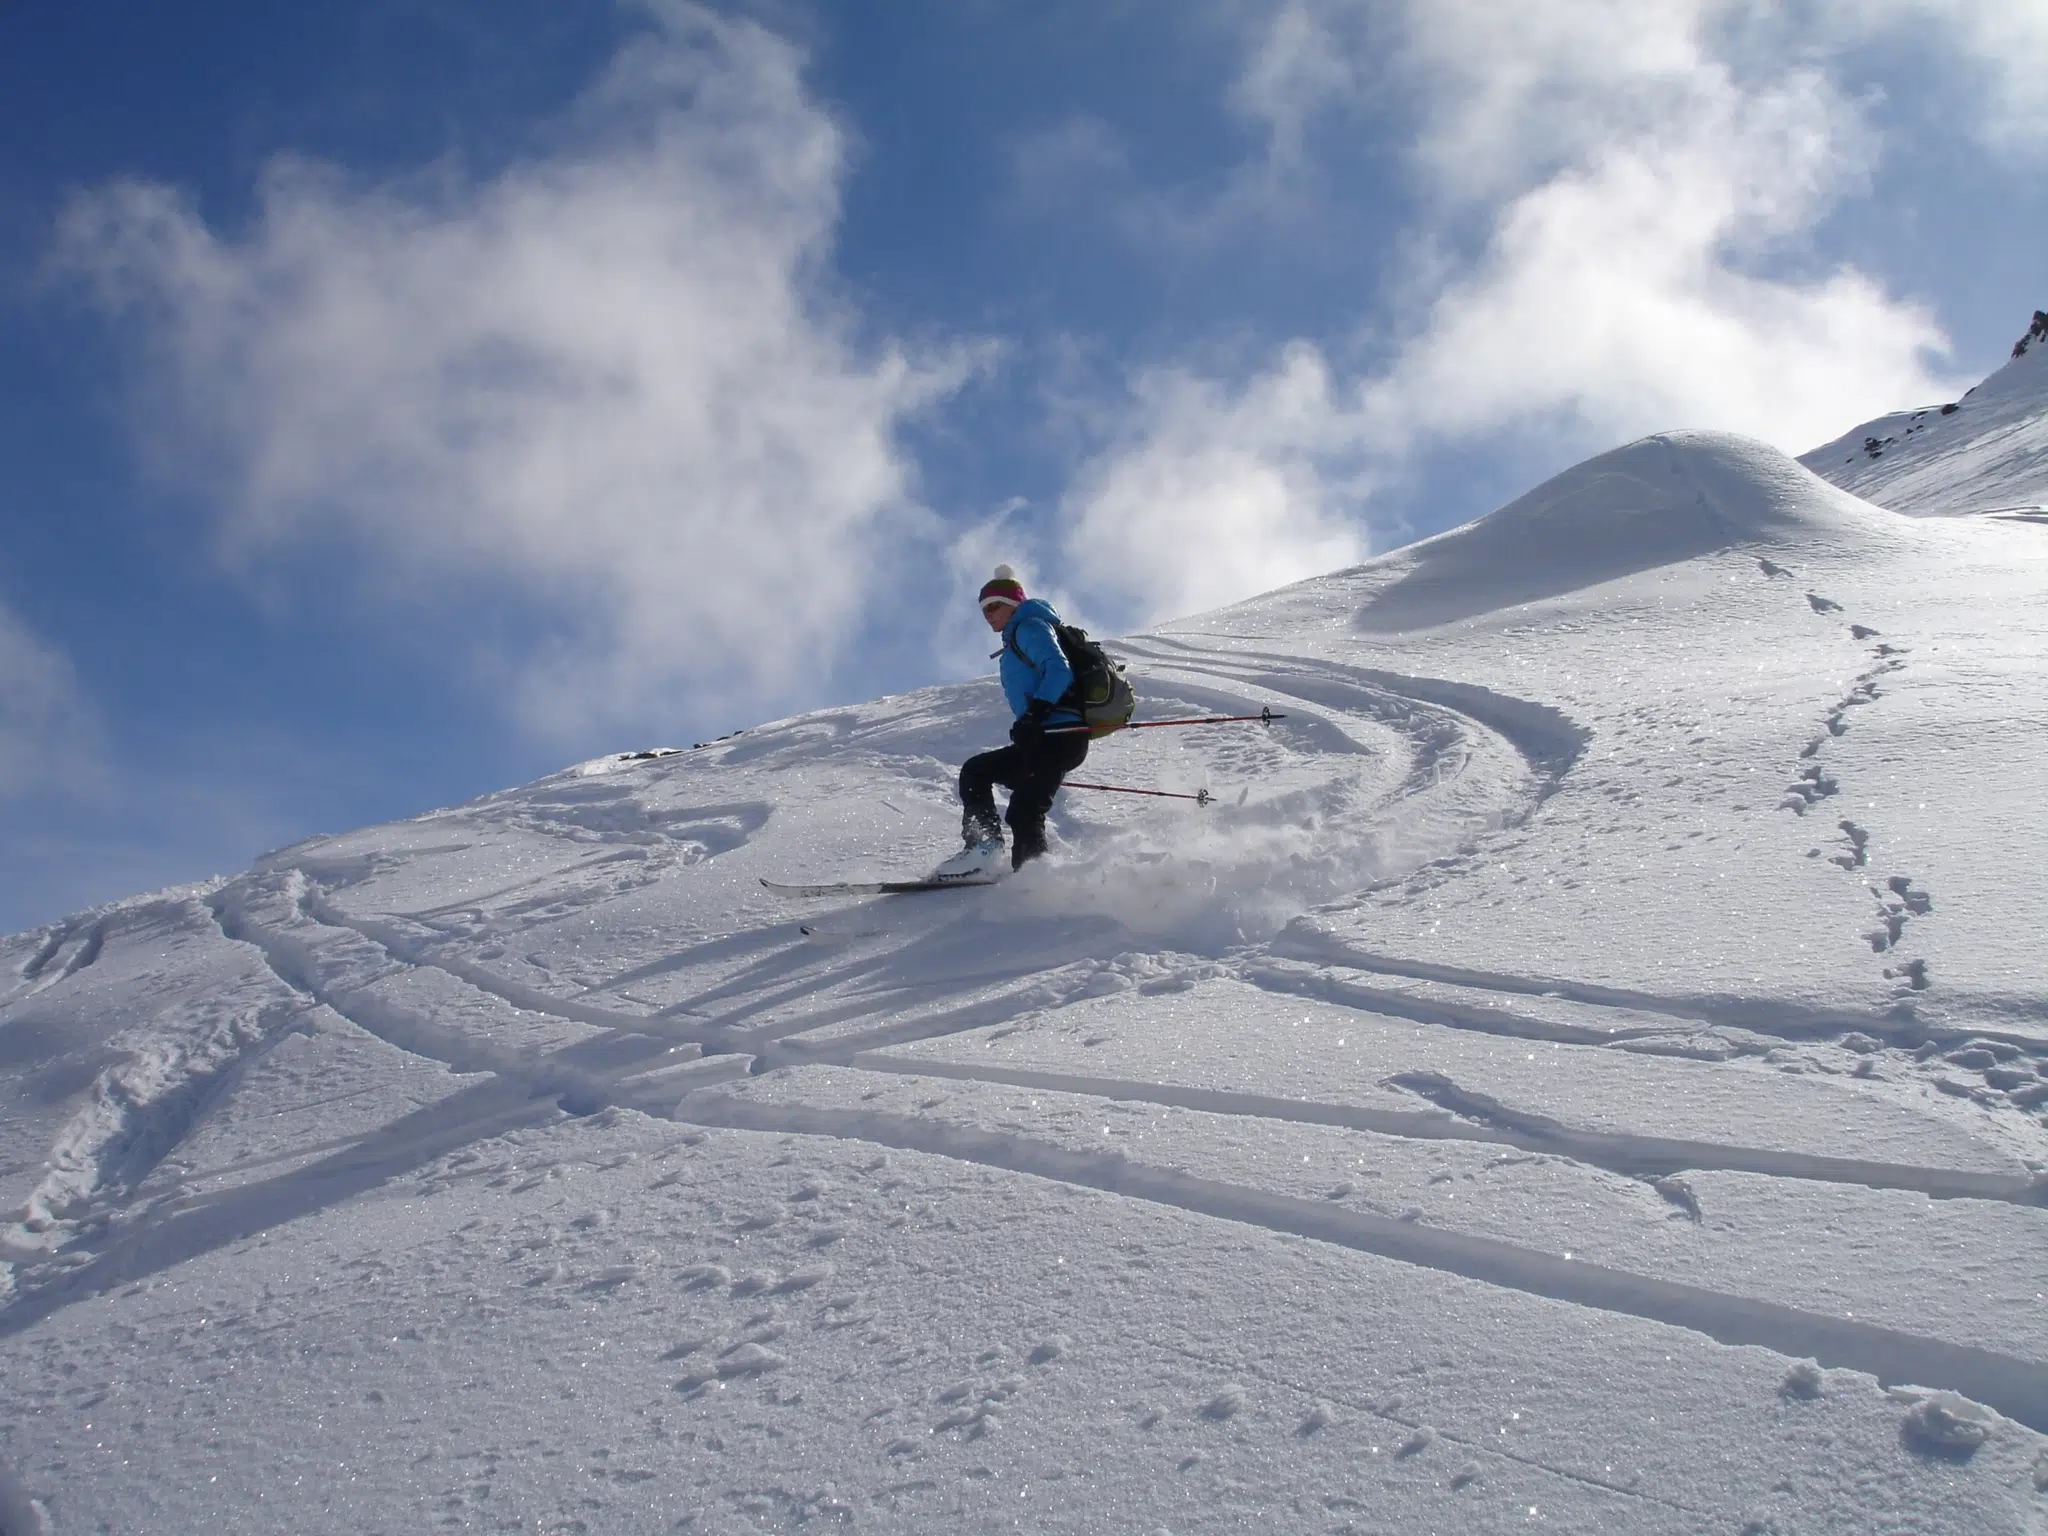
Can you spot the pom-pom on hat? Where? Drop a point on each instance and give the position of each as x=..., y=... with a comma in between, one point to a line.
x=1003, y=587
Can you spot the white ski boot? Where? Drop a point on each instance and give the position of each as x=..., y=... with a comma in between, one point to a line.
x=985, y=859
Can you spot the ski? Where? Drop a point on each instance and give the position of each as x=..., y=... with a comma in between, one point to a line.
x=876, y=887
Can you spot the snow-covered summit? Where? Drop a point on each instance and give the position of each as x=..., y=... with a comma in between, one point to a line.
x=1986, y=453
x=1667, y=498
x=1585, y=1066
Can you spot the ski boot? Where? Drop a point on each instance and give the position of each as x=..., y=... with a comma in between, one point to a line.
x=984, y=857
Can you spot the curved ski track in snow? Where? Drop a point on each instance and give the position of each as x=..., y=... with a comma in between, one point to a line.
x=1463, y=1115
x=395, y=977
x=360, y=967
x=2015, y=1388
x=1548, y=741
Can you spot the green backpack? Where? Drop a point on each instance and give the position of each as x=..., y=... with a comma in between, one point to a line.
x=1100, y=694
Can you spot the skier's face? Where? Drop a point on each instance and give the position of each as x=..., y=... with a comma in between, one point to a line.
x=998, y=614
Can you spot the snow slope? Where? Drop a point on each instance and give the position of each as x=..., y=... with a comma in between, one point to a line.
x=1587, y=1070
x=1983, y=455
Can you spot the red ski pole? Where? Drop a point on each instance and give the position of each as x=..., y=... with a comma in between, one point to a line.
x=1200, y=796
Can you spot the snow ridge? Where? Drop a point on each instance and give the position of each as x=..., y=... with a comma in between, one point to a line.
x=1666, y=499
x=1984, y=455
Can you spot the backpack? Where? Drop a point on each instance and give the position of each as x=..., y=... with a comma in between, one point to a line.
x=1100, y=694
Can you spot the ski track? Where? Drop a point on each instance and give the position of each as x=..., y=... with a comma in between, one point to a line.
x=88, y=937
x=2013, y=1387
x=1548, y=741
x=1787, y=1021
x=1464, y=1115
x=141, y=1107
x=581, y=1074
x=612, y=1067
x=784, y=1009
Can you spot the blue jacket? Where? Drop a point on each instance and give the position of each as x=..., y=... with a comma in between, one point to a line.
x=1041, y=672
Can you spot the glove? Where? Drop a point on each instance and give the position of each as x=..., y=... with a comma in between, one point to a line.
x=1029, y=731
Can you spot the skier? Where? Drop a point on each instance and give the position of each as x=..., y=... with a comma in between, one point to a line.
x=1035, y=677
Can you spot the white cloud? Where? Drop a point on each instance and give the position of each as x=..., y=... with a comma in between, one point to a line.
x=1617, y=298
x=2010, y=42
x=2002, y=46
x=1214, y=494
x=49, y=732
x=1651, y=176
x=611, y=381
x=1509, y=94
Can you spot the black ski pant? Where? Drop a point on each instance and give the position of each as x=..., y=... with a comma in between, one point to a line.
x=1032, y=775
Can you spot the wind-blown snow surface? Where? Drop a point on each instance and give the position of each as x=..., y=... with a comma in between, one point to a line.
x=1591, y=1051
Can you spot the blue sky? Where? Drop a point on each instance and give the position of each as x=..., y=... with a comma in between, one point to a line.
x=406, y=399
